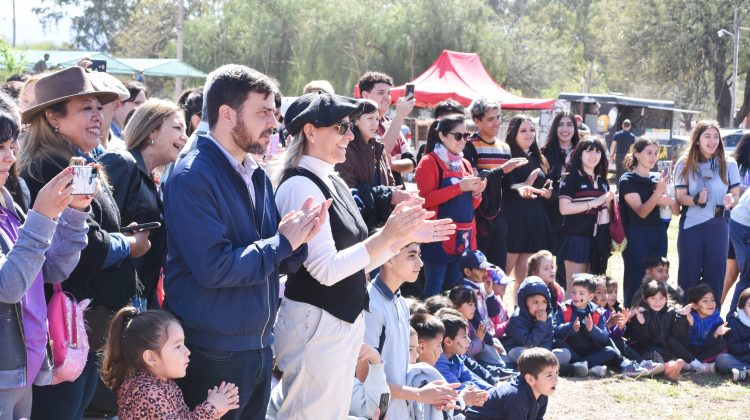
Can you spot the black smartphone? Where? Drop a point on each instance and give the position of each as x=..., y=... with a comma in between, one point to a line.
x=409, y=90
x=142, y=226
x=484, y=174
x=99, y=65
x=383, y=406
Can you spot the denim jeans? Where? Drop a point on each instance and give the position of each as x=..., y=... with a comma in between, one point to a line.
x=438, y=277
x=250, y=370
x=725, y=362
x=67, y=400
x=740, y=236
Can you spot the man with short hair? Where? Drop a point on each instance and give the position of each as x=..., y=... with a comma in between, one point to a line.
x=621, y=143
x=225, y=250
x=377, y=86
x=138, y=96
x=485, y=152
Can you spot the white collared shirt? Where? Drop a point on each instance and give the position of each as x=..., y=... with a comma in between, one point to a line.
x=246, y=168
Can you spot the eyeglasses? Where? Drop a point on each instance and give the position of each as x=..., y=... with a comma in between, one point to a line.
x=344, y=127
x=460, y=136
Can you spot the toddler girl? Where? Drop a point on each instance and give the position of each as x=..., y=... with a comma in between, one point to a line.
x=649, y=326
x=542, y=265
x=698, y=331
x=145, y=351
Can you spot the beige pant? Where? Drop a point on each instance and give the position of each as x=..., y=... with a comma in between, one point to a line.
x=318, y=354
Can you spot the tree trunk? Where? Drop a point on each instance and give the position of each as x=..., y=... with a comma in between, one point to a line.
x=722, y=94
x=745, y=109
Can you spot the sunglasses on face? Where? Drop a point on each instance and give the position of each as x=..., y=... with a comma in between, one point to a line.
x=344, y=126
x=460, y=136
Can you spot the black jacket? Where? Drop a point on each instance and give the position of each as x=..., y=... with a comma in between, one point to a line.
x=112, y=287
x=138, y=200
x=652, y=335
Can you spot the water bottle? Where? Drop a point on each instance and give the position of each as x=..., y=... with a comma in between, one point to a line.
x=665, y=212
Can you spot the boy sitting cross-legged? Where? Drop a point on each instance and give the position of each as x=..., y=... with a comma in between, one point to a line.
x=526, y=395
x=454, y=365
x=387, y=330
x=581, y=328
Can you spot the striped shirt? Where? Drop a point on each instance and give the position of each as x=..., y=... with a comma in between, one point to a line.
x=484, y=155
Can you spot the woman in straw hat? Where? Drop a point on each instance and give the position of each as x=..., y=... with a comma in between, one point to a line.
x=66, y=122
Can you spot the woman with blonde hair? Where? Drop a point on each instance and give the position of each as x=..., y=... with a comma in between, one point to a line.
x=66, y=122
x=707, y=184
x=153, y=136
x=320, y=328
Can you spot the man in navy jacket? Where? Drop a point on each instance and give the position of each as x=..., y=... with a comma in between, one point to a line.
x=227, y=243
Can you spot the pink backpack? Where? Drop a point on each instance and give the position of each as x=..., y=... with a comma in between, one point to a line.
x=67, y=333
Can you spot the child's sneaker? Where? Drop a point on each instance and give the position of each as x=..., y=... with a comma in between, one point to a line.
x=673, y=368
x=598, y=371
x=581, y=369
x=632, y=369
x=697, y=366
x=654, y=356
x=652, y=368
x=739, y=375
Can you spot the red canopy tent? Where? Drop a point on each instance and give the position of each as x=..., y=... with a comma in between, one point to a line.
x=462, y=77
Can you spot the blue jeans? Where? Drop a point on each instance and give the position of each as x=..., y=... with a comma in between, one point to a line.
x=250, y=370
x=438, y=277
x=725, y=362
x=740, y=236
x=67, y=400
x=703, y=253
x=642, y=242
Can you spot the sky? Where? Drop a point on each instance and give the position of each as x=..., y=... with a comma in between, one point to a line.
x=28, y=28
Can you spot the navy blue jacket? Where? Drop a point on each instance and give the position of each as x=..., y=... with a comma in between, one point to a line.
x=738, y=338
x=513, y=400
x=583, y=342
x=222, y=269
x=523, y=328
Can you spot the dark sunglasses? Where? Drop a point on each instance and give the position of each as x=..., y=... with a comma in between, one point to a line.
x=344, y=126
x=460, y=136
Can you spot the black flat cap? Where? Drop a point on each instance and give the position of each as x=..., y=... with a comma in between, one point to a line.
x=318, y=109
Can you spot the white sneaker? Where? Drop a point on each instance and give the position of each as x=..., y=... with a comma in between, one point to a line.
x=598, y=371
x=652, y=367
x=739, y=375
x=698, y=366
x=581, y=369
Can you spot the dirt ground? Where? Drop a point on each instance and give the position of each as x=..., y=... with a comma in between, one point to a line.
x=693, y=396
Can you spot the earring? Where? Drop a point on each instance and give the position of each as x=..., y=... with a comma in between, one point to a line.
x=151, y=141
x=57, y=130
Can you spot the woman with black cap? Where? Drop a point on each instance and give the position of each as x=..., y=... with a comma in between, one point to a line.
x=319, y=328
x=67, y=122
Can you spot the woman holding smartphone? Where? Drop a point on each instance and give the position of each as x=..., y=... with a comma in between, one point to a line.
x=65, y=122
x=642, y=194
x=154, y=136
x=707, y=183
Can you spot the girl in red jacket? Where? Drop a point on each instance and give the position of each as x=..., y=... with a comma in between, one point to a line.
x=449, y=187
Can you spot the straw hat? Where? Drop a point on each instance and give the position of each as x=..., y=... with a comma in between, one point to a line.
x=62, y=86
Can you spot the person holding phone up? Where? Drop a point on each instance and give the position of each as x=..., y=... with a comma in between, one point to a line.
x=65, y=122
x=642, y=193
x=153, y=137
x=707, y=184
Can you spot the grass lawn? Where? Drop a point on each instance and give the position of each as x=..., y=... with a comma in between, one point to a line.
x=693, y=396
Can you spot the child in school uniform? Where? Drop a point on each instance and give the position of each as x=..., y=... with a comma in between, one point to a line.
x=464, y=301
x=737, y=359
x=698, y=331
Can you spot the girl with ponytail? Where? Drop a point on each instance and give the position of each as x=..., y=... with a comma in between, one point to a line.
x=145, y=351
x=641, y=194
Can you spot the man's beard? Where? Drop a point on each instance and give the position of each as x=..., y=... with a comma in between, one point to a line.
x=242, y=138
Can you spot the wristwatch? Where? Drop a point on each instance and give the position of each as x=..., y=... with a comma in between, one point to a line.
x=695, y=201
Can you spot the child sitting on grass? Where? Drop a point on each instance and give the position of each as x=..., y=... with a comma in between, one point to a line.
x=542, y=265
x=737, y=360
x=145, y=352
x=649, y=327
x=580, y=327
x=531, y=324
x=464, y=301
x=698, y=331
x=499, y=284
x=472, y=387
x=526, y=396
